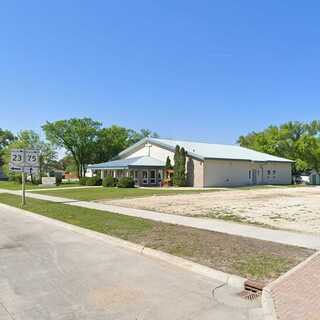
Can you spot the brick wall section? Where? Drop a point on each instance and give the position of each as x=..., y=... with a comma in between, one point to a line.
x=296, y=295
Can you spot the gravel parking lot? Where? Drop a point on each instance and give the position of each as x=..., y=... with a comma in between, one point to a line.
x=292, y=208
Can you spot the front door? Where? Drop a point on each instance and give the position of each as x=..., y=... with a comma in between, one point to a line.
x=254, y=176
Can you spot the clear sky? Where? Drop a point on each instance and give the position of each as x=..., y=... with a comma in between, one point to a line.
x=202, y=70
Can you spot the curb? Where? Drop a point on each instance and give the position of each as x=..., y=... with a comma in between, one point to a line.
x=229, y=279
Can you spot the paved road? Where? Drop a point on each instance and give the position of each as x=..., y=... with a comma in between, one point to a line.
x=311, y=241
x=50, y=272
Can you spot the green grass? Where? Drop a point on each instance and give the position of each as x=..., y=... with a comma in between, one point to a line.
x=255, y=259
x=259, y=266
x=116, y=193
x=9, y=185
x=16, y=186
x=105, y=222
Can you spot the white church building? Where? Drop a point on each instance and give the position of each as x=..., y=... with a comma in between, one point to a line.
x=207, y=165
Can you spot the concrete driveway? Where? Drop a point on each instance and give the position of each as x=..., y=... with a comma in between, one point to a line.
x=50, y=272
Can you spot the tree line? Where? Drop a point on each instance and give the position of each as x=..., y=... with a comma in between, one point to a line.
x=298, y=141
x=84, y=140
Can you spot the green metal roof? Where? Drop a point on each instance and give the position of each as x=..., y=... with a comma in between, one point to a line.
x=142, y=161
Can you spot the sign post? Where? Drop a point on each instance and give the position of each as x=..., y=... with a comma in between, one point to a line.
x=23, y=200
x=24, y=161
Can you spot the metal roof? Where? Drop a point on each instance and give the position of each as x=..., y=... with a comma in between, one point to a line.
x=143, y=161
x=211, y=151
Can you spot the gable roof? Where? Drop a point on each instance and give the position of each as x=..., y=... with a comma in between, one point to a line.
x=143, y=161
x=210, y=151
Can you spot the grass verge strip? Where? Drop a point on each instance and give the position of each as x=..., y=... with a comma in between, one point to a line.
x=249, y=258
x=116, y=193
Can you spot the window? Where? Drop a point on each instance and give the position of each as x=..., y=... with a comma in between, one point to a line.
x=249, y=174
x=152, y=176
x=159, y=175
x=274, y=172
x=145, y=177
x=268, y=172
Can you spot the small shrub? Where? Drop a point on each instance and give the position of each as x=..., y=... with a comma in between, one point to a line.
x=93, y=181
x=126, y=182
x=18, y=178
x=83, y=181
x=36, y=180
x=58, y=180
x=109, y=182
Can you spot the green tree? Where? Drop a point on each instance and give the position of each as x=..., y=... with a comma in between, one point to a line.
x=67, y=163
x=111, y=141
x=77, y=136
x=135, y=136
x=297, y=141
x=179, y=173
x=6, y=137
x=168, y=163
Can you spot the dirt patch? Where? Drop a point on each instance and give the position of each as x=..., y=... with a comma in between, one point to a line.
x=284, y=208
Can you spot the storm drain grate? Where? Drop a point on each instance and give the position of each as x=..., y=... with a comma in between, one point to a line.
x=252, y=290
x=249, y=295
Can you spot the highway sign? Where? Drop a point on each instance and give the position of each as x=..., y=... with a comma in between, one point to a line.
x=31, y=170
x=14, y=168
x=25, y=169
x=24, y=158
x=32, y=158
x=24, y=161
x=17, y=157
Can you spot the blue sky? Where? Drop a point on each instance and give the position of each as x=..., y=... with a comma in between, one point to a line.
x=201, y=70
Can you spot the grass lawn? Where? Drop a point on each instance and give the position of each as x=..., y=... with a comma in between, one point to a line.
x=116, y=193
x=250, y=258
x=29, y=186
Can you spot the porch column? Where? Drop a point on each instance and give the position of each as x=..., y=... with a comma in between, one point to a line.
x=102, y=174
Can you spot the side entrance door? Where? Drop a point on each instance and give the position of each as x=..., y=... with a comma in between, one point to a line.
x=254, y=176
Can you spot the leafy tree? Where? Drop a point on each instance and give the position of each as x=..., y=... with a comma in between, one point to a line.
x=77, y=136
x=297, y=141
x=179, y=174
x=6, y=137
x=29, y=139
x=111, y=141
x=168, y=163
x=135, y=136
x=68, y=164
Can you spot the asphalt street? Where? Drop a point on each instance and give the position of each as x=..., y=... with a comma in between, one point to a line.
x=50, y=272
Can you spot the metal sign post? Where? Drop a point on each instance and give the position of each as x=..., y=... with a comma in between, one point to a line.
x=24, y=161
x=23, y=200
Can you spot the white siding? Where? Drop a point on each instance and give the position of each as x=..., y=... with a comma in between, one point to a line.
x=155, y=152
x=226, y=173
x=236, y=173
x=212, y=173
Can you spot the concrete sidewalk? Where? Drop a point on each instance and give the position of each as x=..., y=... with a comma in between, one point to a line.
x=310, y=241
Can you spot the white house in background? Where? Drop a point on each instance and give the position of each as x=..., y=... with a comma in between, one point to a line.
x=208, y=165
